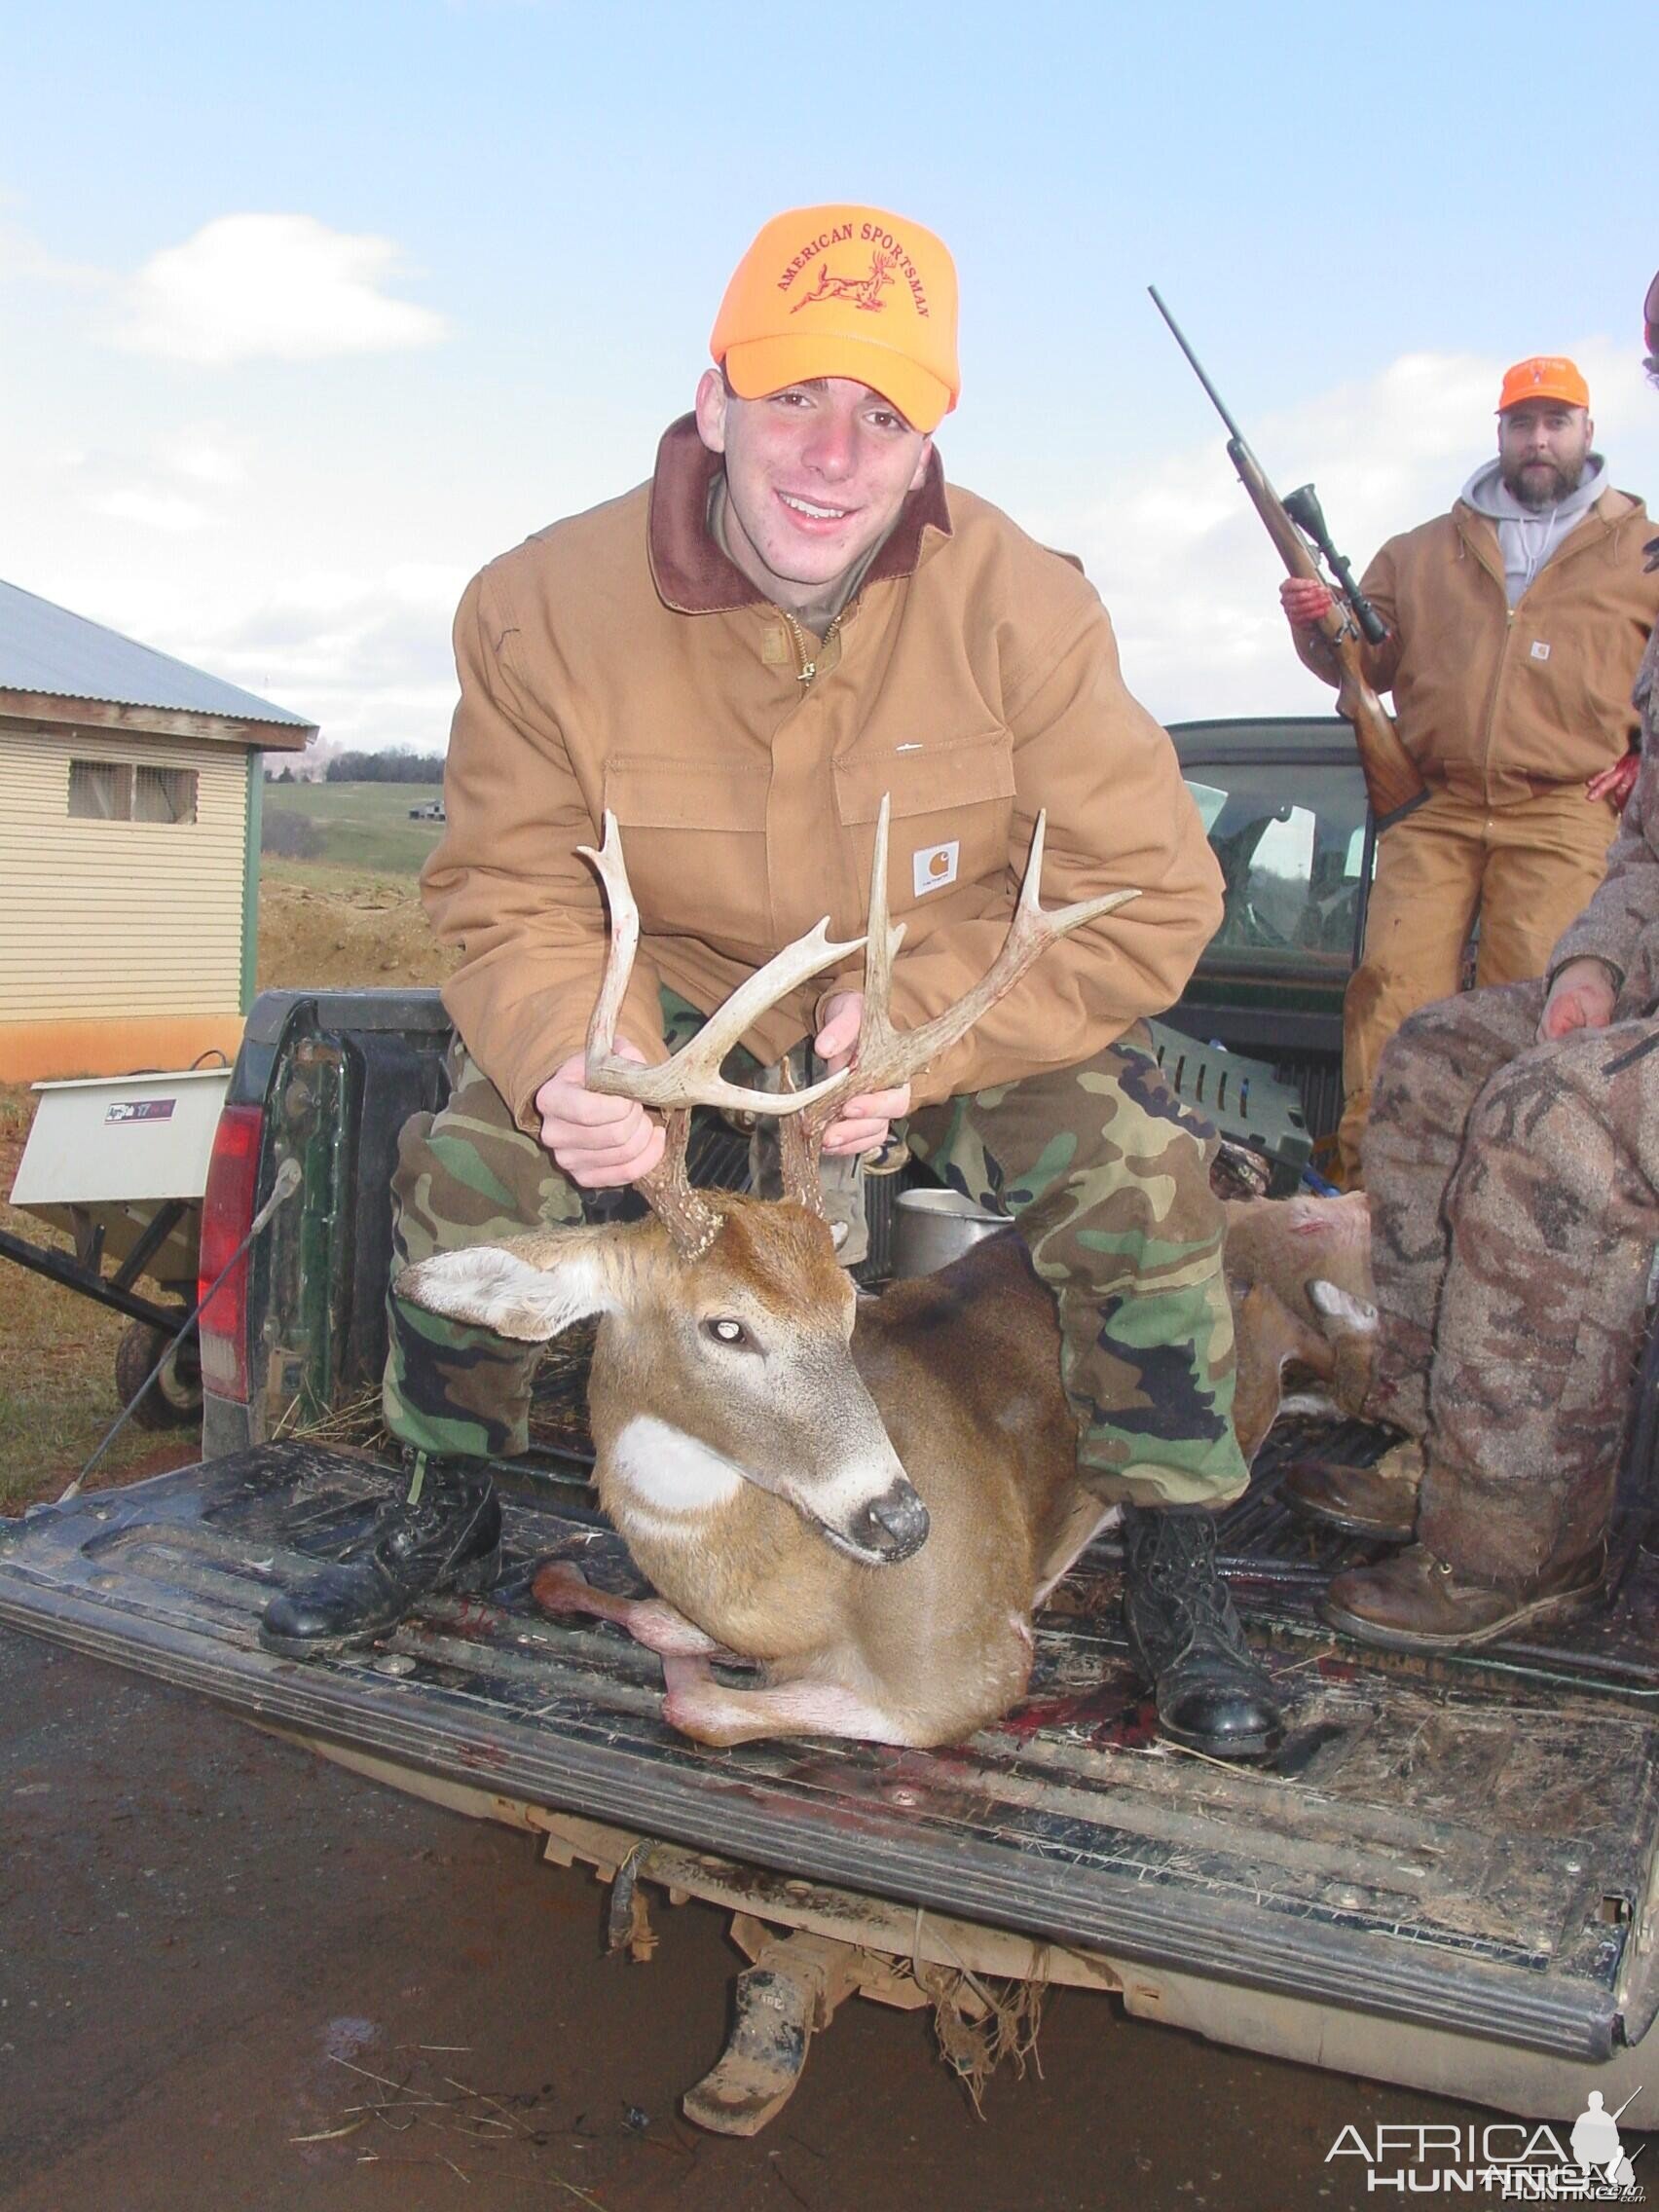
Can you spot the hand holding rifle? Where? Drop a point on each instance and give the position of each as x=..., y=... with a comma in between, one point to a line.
x=1345, y=621
x=1306, y=601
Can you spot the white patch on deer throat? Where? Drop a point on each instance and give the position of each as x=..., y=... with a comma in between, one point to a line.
x=668, y=1472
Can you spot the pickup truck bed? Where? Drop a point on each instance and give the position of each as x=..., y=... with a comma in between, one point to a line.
x=1462, y=1846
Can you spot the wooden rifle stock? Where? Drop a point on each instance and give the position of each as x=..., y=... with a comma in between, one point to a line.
x=1392, y=782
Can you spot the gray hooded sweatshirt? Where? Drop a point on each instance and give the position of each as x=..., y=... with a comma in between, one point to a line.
x=1527, y=537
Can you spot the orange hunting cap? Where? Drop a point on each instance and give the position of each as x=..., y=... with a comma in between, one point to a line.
x=1546, y=376
x=844, y=291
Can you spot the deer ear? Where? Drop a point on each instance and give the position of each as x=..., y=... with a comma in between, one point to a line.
x=529, y=1288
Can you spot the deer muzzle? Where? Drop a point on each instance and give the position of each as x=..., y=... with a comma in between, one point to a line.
x=892, y=1526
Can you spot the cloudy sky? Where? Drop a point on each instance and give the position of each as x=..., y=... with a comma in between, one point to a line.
x=305, y=311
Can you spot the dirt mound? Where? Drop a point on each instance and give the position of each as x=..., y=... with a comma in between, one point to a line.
x=350, y=936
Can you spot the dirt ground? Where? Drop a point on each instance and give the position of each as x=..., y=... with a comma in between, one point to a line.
x=337, y=931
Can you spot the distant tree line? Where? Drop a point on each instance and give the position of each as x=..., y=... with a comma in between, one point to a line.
x=399, y=765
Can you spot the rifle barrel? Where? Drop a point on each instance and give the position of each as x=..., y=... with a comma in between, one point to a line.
x=1196, y=366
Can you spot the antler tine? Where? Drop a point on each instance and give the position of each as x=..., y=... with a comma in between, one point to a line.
x=882, y=940
x=624, y=942
x=893, y=1058
x=884, y=1058
x=692, y=1077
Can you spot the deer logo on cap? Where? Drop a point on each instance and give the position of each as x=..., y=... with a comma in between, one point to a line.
x=863, y=291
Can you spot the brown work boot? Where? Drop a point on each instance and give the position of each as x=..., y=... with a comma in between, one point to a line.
x=1415, y=1601
x=1380, y=1502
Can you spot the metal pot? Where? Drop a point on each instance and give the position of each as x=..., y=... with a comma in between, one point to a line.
x=932, y=1227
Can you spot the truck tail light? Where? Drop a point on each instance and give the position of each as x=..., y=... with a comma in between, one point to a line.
x=227, y=1214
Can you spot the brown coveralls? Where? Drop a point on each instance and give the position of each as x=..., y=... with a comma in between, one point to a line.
x=1515, y=1208
x=1507, y=713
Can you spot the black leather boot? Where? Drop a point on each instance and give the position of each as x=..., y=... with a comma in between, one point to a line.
x=444, y=1533
x=1211, y=1695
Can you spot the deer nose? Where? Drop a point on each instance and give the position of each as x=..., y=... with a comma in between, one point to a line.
x=894, y=1525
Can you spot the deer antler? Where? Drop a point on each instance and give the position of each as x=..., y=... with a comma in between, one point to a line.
x=883, y=1058
x=692, y=1077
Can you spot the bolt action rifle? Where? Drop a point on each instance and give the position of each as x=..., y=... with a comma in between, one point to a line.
x=1297, y=527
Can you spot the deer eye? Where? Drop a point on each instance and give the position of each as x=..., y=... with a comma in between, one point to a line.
x=726, y=1331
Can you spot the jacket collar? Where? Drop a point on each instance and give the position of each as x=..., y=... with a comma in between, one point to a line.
x=693, y=576
x=1479, y=533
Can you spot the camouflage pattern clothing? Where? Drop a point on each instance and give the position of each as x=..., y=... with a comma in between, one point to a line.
x=1104, y=1170
x=1515, y=1209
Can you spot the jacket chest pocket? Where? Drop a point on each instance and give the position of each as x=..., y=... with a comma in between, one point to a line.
x=694, y=837
x=951, y=820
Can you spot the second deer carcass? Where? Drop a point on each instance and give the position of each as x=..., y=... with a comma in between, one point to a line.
x=865, y=1498
x=1299, y=1279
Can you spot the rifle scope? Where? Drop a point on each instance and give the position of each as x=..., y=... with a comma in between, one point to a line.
x=1304, y=509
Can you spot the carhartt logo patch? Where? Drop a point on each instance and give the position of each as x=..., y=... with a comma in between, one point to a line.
x=1541, y=651
x=935, y=867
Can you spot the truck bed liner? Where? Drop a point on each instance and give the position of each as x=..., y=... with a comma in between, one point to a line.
x=1464, y=1845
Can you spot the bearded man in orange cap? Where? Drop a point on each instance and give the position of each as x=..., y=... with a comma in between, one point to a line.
x=1516, y=625
x=790, y=621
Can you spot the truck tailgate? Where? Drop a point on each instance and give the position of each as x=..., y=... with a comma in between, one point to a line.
x=1466, y=1847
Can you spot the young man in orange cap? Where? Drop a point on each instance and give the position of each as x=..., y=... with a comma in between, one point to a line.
x=740, y=659
x=1513, y=1169
x=1516, y=623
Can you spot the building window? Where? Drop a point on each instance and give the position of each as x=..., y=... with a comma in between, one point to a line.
x=122, y=790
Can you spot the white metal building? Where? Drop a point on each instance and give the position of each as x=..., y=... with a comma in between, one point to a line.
x=129, y=818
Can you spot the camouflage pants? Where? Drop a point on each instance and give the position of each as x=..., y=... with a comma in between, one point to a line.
x=1103, y=1170
x=1515, y=1204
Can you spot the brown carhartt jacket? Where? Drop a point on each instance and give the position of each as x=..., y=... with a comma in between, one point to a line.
x=618, y=659
x=1499, y=704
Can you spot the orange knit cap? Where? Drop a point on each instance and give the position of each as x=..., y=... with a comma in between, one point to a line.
x=1546, y=376
x=844, y=291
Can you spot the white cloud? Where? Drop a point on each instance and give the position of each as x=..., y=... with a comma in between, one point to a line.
x=175, y=482
x=274, y=287
x=1186, y=567
x=22, y=258
x=154, y=510
x=204, y=457
x=367, y=657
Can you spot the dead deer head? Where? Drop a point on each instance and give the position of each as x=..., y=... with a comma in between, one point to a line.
x=723, y=1363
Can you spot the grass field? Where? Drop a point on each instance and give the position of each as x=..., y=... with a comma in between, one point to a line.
x=365, y=827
